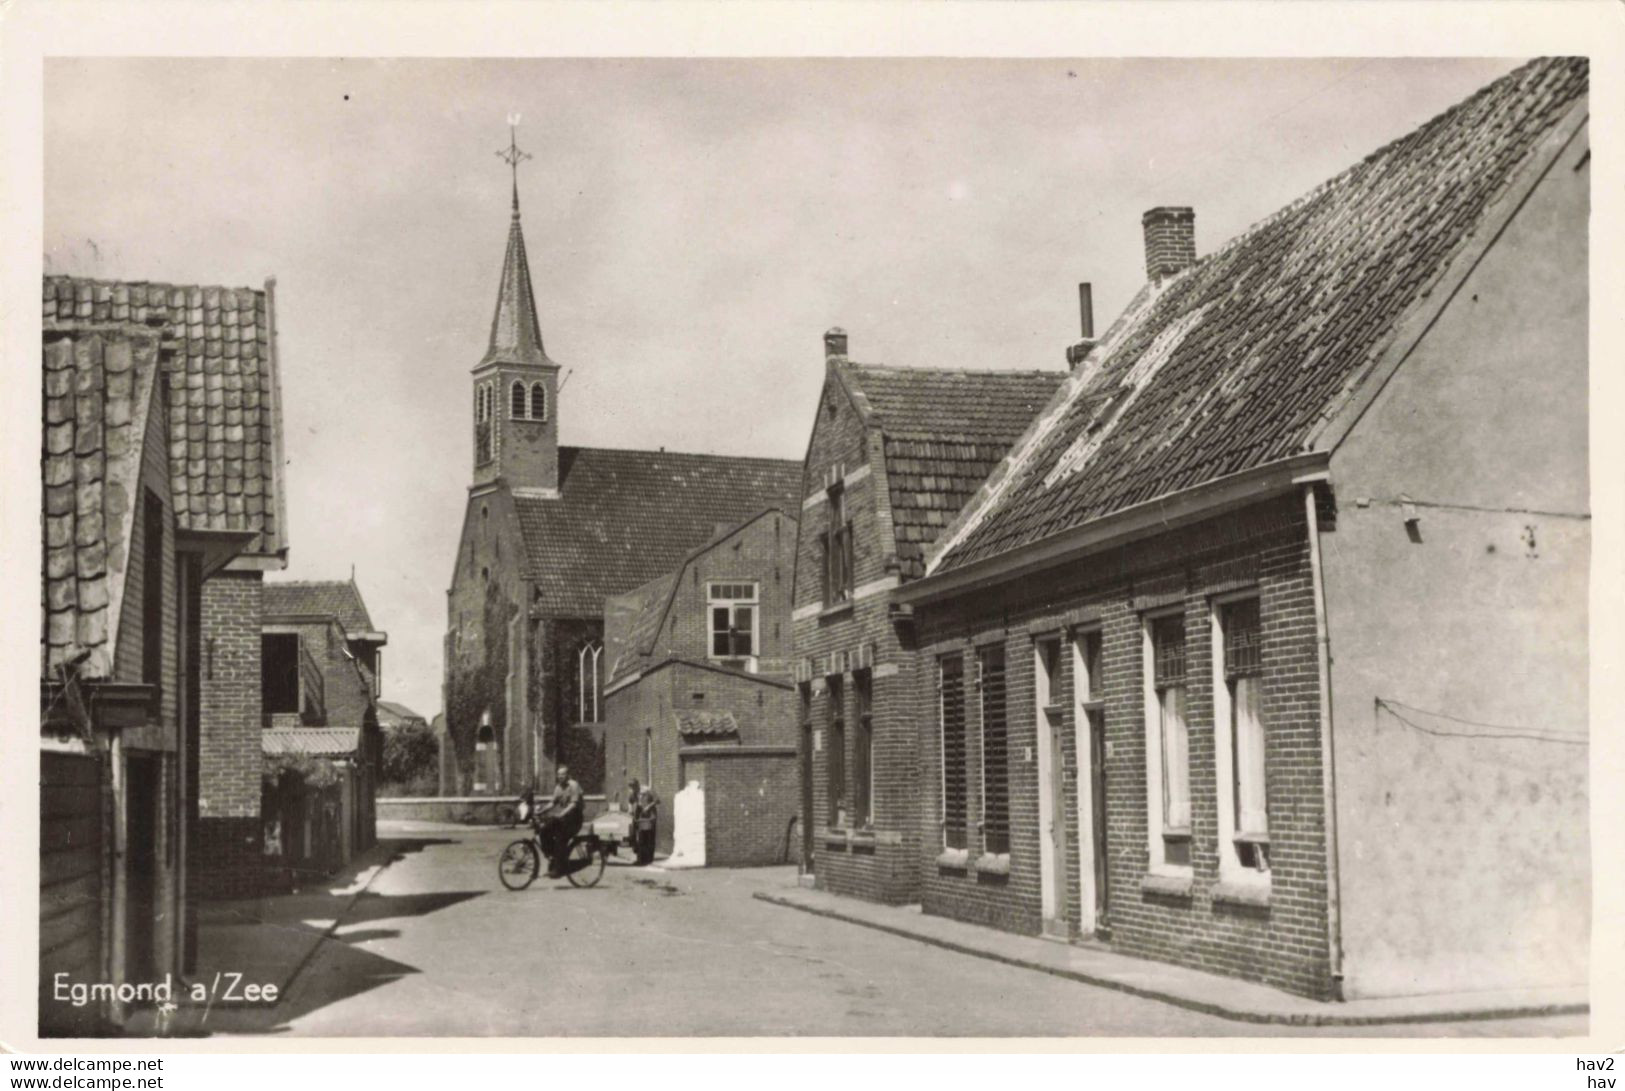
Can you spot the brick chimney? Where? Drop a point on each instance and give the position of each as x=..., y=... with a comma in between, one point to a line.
x=1170, y=240
x=1086, y=316
x=834, y=342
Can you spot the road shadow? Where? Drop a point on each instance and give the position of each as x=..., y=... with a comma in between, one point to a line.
x=338, y=971
x=379, y=907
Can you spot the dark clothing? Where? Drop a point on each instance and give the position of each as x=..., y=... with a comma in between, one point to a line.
x=645, y=816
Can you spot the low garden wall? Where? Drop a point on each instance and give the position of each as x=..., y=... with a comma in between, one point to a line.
x=463, y=810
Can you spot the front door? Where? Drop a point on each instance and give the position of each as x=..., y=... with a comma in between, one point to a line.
x=806, y=799
x=143, y=818
x=1088, y=683
x=1097, y=799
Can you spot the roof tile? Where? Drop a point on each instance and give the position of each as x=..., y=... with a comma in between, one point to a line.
x=1237, y=361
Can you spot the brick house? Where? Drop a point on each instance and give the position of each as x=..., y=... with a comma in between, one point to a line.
x=322, y=655
x=549, y=533
x=1264, y=651
x=699, y=690
x=163, y=504
x=893, y=454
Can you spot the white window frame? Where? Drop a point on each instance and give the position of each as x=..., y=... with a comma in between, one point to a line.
x=1154, y=745
x=713, y=601
x=587, y=659
x=1231, y=868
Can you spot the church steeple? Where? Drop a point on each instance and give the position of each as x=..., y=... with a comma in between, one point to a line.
x=515, y=384
x=516, y=332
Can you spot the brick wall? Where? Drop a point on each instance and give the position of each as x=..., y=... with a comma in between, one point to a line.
x=642, y=728
x=881, y=863
x=1265, y=547
x=228, y=852
x=750, y=801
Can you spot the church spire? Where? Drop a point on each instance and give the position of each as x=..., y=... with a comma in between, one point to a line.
x=516, y=332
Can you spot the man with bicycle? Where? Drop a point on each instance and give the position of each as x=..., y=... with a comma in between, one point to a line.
x=559, y=821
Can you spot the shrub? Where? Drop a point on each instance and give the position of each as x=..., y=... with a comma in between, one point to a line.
x=411, y=755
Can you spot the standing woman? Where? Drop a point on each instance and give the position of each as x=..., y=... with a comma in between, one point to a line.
x=644, y=817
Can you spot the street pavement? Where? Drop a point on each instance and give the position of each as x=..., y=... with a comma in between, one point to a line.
x=436, y=947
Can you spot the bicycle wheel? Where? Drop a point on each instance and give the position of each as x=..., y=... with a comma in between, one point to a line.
x=518, y=866
x=584, y=866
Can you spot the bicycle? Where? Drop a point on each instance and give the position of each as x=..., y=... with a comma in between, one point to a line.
x=584, y=860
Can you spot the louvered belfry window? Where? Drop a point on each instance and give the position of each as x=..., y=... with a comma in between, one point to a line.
x=995, y=751
x=955, y=755
x=517, y=410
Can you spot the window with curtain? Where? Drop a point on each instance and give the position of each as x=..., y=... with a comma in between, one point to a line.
x=1243, y=675
x=955, y=754
x=1169, y=683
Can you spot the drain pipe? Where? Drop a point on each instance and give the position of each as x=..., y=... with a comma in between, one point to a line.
x=1328, y=764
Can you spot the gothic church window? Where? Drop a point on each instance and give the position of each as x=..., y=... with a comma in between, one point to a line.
x=517, y=409
x=538, y=401
x=587, y=661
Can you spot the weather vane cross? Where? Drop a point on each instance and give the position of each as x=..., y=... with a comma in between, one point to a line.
x=512, y=156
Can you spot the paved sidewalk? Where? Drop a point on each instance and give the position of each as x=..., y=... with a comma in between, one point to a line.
x=1193, y=989
x=262, y=942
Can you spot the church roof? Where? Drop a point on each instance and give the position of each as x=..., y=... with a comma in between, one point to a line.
x=1240, y=360
x=516, y=332
x=622, y=518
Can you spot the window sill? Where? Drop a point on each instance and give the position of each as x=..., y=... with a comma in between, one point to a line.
x=954, y=859
x=835, y=838
x=1248, y=892
x=993, y=863
x=844, y=607
x=1167, y=886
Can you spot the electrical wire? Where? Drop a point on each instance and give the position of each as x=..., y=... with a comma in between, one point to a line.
x=1497, y=731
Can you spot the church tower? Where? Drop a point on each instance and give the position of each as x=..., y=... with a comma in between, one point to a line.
x=516, y=426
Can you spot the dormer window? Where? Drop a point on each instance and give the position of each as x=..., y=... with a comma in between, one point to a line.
x=517, y=410
x=538, y=401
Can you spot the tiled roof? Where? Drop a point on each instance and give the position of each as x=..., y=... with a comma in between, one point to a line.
x=225, y=420
x=1236, y=362
x=315, y=742
x=99, y=393
x=516, y=332
x=943, y=432
x=695, y=722
x=631, y=635
x=339, y=599
x=624, y=517
x=393, y=714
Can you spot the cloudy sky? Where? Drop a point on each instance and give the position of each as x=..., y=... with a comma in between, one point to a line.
x=693, y=228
